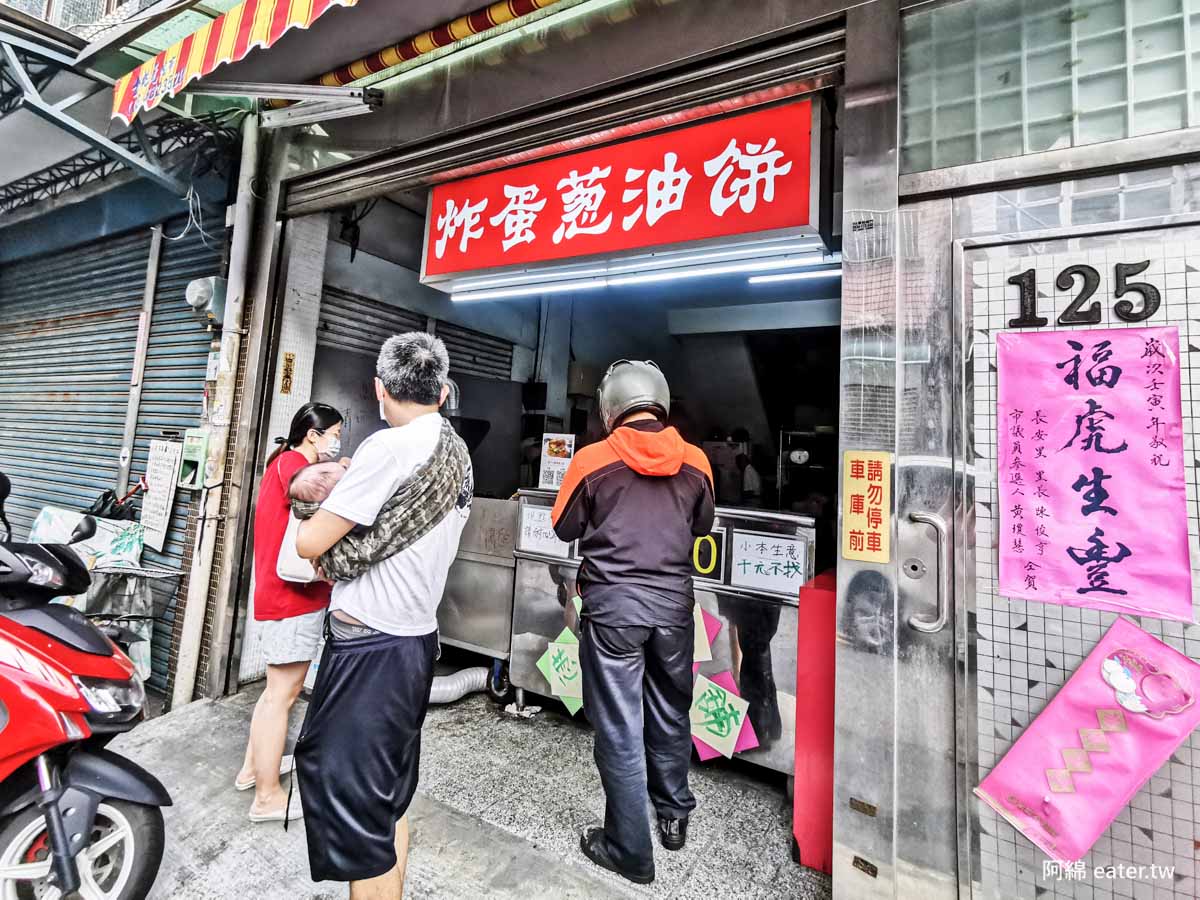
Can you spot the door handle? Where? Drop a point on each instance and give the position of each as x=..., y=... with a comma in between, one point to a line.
x=926, y=626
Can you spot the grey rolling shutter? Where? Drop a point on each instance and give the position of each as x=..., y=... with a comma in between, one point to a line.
x=68, y=330
x=476, y=353
x=172, y=399
x=68, y=335
x=351, y=322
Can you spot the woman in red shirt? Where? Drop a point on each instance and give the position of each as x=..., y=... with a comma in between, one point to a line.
x=292, y=614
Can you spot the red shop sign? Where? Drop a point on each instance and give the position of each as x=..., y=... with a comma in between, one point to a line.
x=738, y=175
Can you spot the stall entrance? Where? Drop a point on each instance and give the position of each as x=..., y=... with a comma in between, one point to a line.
x=753, y=364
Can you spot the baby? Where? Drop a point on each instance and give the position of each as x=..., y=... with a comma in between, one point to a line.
x=313, y=483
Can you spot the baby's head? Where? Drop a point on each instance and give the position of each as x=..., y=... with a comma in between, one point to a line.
x=312, y=484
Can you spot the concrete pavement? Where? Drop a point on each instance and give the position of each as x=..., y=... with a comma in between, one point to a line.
x=497, y=815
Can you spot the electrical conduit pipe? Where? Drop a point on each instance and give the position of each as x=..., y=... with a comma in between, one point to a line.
x=217, y=425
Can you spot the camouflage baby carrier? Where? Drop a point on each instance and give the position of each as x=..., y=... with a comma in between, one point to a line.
x=417, y=506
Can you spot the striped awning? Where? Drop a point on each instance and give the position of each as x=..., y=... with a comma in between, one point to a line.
x=229, y=38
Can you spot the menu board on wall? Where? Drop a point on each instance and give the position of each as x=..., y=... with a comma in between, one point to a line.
x=557, y=450
x=775, y=563
x=162, y=473
x=537, y=533
x=1090, y=470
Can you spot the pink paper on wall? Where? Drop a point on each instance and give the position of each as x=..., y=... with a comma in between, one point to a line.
x=747, y=737
x=1114, y=723
x=712, y=627
x=1090, y=470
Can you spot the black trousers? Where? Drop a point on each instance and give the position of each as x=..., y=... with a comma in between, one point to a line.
x=359, y=751
x=637, y=691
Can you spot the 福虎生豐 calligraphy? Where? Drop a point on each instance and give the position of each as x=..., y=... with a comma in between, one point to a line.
x=1090, y=470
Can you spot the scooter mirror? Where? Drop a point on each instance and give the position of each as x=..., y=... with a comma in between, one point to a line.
x=5, y=490
x=84, y=530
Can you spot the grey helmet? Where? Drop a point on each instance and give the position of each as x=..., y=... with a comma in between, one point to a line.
x=631, y=386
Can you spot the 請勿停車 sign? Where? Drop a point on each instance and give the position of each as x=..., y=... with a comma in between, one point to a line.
x=741, y=174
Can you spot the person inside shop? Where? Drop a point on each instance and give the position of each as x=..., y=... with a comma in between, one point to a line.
x=358, y=755
x=751, y=481
x=291, y=613
x=636, y=502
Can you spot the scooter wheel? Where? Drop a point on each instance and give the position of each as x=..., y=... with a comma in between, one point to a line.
x=120, y=862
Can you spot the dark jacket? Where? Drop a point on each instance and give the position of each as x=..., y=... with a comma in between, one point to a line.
x=636, y=503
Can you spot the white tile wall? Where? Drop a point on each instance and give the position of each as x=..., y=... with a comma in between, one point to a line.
x=1027, y=650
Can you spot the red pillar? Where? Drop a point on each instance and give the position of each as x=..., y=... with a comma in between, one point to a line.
x=812, y=812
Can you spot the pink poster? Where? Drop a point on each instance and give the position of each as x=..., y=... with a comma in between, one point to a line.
x=1114, y=724
x=1090, y=470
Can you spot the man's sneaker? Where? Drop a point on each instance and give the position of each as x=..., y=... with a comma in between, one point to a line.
x=595, y=848
x=672, y=833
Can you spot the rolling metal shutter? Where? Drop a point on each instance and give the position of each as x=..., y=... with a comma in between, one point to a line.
x=476, y=353
x=449, y=137
x=351, y=322
x=171, y=402
x=69, y=324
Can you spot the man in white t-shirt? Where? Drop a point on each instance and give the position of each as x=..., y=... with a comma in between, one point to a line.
x=358, y=755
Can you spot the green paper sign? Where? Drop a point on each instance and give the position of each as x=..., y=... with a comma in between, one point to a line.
x=559, y=665
x=717, y=715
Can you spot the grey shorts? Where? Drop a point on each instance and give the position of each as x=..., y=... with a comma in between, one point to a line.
x=292, y=640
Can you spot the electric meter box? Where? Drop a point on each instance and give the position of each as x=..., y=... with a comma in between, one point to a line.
x=207, y=297
x=195, y=455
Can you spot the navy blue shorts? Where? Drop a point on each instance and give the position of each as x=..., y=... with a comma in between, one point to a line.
x=359, y=751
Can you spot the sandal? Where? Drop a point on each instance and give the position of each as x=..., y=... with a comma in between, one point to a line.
x=286, y=765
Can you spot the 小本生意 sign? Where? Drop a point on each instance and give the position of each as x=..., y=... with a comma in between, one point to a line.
x=537, y=533
x=775, y=563
x=740, y=174
x=557, y=450
x=866, y=506
x=162, y=473
x=1090, y=470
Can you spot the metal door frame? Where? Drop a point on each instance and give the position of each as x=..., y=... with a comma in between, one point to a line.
x=964, y=531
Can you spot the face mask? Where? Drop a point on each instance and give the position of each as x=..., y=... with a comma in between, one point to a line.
x=382, y=414
x=332, y=451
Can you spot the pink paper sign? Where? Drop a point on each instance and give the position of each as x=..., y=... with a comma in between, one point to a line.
x=1090, y=470
x=712, y=627
x=1114, y=724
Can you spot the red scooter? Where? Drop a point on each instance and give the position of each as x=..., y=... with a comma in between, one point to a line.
x=76, y=820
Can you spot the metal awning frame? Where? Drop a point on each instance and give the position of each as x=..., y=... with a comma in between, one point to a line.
x=25, y=64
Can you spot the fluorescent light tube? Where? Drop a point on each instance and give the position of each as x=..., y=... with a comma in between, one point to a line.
x=795, y=276
x=531, y=290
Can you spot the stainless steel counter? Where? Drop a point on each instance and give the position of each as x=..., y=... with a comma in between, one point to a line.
x=476, y=610
x=749, y=585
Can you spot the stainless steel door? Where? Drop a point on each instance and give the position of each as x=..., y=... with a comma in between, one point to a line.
x=1020, y=653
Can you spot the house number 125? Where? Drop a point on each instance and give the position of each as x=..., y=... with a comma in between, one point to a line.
x=1079, y=312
